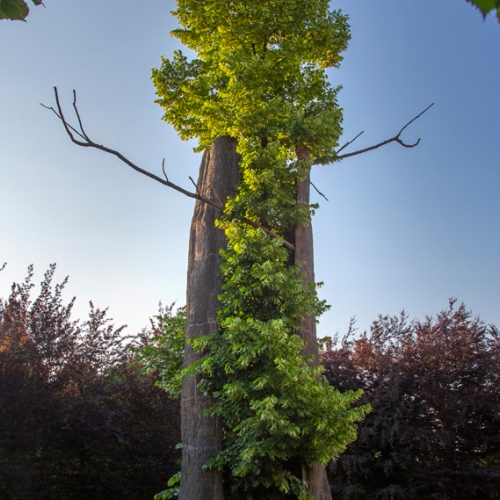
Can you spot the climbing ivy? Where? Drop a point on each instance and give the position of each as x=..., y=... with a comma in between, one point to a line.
x=259, y=77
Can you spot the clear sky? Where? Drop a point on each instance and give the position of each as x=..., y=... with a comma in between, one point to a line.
x=403, y=228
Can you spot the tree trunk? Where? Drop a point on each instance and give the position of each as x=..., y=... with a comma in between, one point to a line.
x=201, y=435
x=304, y=255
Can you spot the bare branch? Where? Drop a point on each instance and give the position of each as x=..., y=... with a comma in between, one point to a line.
x=396, y=138
x=88, y=143
x=50, y=108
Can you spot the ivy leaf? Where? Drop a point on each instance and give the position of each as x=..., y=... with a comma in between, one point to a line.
x=486, y=6
x=15, y=10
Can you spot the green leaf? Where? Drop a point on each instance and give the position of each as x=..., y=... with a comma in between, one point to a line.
x=15, y=10
x=486, y=6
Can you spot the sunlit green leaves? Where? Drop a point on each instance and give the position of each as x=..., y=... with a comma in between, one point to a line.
x=487, y=6
x=259, y=66
x=163, y=353
x=15, y=10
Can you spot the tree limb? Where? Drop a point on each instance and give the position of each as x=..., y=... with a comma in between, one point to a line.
x=396, y=138
x=86, y=142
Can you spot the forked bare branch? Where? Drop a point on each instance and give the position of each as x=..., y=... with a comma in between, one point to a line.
x=396, y=138
x=86, y=142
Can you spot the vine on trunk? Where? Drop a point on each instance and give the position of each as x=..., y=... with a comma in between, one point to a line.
x=259, y=77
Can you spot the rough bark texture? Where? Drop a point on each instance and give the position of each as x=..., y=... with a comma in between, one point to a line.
x=201, y=435
x=304, y=255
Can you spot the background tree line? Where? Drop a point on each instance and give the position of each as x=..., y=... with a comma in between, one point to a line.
x=434, y=429
x=80, y=418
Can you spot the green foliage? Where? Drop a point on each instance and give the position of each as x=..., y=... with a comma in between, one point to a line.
x=15, y=10
x=487, y=6
x=173, y=489
x=259, y=72
x=275, y=405
x=162, y=353
x=274, y=402
x=259, y=76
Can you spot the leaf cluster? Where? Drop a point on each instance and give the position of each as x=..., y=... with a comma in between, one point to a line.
x=16, y=10
x=162, y=350
x=78, y=418
x=275, y=406
x=435, y=426
x=277, y=409
x=487, y=6
x=259, y=71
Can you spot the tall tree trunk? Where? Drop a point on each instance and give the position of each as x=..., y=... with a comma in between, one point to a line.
x=201, y=435
x=304, y=255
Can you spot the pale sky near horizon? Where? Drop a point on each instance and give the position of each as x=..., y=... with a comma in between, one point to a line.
x=403, y=228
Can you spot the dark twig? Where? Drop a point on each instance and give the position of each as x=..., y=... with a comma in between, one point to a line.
x=163, y=169
x=194, y=184
x=318, y=191
x=50, y=108
x=349, y=142
x=78, y=117
x=88, y=143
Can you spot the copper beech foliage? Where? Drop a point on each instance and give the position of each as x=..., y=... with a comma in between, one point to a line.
x=434, y=429
x=78, y=419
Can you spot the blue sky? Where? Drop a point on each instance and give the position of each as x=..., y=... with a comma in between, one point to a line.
x=403, y=228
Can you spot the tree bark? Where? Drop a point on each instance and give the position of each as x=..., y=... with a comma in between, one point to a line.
x=202, y=435
x=316, y=476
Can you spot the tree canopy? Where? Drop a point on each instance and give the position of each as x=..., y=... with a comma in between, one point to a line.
x=259, y=77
